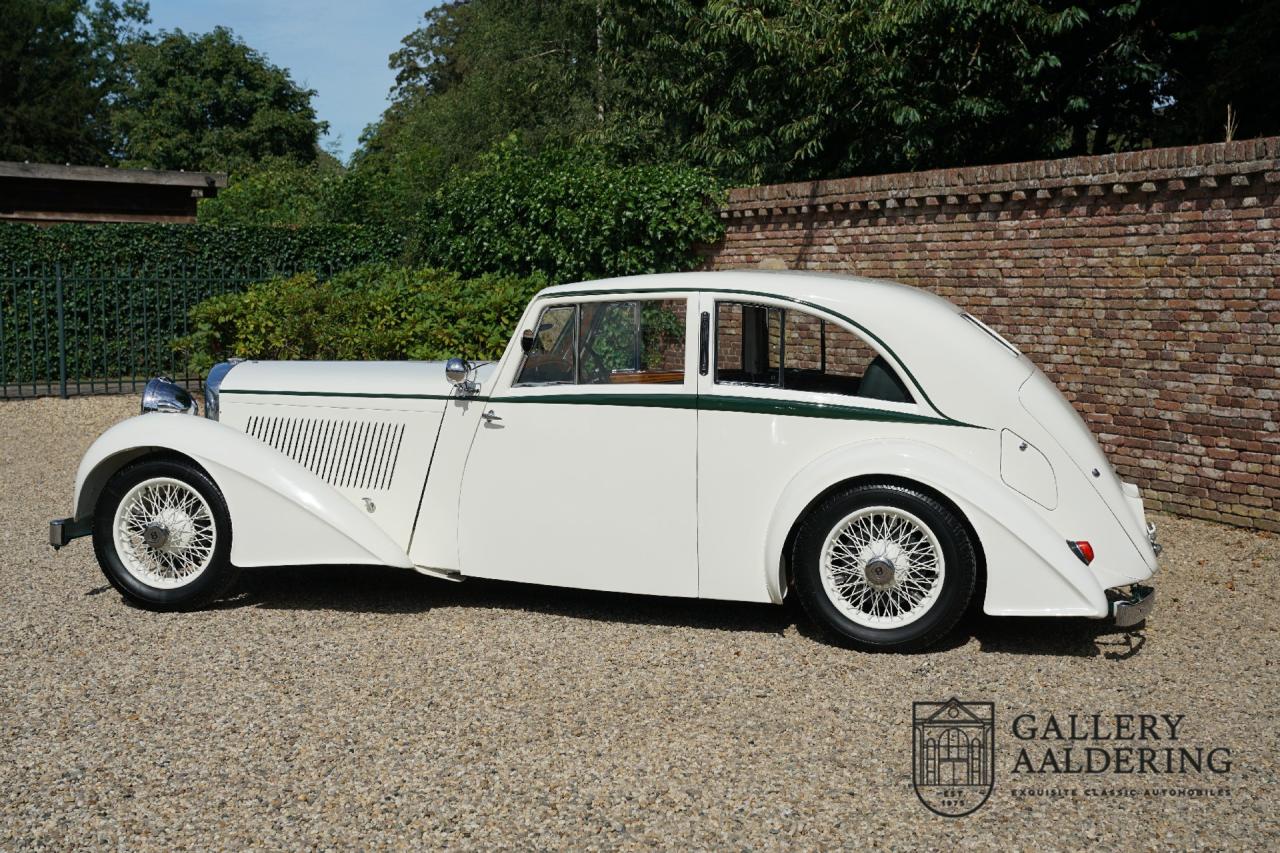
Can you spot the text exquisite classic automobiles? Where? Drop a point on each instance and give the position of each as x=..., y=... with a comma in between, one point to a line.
x=730, y=435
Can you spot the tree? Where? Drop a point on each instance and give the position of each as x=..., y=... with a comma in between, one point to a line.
x=567, y=213
x=59, y=74
x=281, y=192
x=472, y=75
x=781, y=90
x=1222, y=54
x=211, y=102
x=774, y=90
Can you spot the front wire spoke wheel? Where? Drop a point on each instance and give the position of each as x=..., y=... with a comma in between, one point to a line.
x=882, y=567
x=164, y=532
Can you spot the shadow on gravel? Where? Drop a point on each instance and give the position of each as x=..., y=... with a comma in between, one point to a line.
x=1072, y=637
x=378, y=590
x=371, y=589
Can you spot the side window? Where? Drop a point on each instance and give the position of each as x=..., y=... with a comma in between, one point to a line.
x=748, y=343
x=786, y=348
x=637, y=341
x=551, y=359
x=608, y=343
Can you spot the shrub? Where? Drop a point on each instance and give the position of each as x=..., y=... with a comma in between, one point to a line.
x=372, y=312
x=278, y=192
x=197, y=247
x=567, y=213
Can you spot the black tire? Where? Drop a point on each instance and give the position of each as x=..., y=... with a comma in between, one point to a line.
x=211, y=583
x=959, y=575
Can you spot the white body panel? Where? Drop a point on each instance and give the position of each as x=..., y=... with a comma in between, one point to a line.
x=607, y=494
x=689, y=490
x=435, y=537
x=1026, y=470
x=585, y=516
x=281, y=513
x=373, y=452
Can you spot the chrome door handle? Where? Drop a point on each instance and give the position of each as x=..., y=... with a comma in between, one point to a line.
x=491, y=416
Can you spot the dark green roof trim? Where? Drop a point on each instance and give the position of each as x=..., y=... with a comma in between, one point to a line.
x=719, y=403
x=812, y=305
x=759, y=406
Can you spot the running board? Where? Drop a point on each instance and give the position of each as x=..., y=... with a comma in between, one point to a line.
x=444, y=574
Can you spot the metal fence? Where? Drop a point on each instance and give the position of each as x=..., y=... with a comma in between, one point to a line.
x=67, y=331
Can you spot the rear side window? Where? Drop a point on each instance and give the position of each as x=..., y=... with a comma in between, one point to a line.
x=748, y=343
x=764, y=345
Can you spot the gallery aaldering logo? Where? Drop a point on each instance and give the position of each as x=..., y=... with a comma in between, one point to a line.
x=953, y=751
x=1074, y=755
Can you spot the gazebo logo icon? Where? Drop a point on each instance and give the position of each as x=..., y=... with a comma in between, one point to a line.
x=953, y=750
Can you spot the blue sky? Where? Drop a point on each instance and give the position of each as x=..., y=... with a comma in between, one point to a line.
x=337, y=47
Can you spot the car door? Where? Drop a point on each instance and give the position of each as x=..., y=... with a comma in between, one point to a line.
x=582, y=472
x=781, y=384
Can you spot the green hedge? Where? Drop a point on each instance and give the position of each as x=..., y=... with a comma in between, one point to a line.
x=569, y=214
x=101, y=326
x=372, y=312
x=203, y=248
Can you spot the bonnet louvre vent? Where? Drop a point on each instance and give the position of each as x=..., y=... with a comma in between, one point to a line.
x=345, y=454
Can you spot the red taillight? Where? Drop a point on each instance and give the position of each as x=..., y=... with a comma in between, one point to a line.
x=1083, y=550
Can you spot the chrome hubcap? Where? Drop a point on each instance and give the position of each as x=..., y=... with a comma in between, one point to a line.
x=155, y=535
x=879, y=573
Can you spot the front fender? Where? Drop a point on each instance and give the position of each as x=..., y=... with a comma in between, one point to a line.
x=1029, y=571
x=281, y=513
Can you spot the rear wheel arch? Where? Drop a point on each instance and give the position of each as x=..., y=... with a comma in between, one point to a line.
x=788, y=547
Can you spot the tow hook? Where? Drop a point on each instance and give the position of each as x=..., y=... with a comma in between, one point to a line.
x=1130, y=608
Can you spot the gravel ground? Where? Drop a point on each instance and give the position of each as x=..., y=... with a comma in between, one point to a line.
x=345, y=707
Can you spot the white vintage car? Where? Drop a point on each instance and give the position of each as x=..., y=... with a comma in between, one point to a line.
x=730, y=435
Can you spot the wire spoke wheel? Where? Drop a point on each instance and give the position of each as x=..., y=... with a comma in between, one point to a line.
x=882, y=567
x=164, y=533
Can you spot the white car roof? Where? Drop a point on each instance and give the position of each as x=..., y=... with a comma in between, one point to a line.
x=841, y=293
x=953, y=360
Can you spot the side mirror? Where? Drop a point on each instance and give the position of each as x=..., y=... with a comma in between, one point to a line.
x=456, y=370
x=526, y=341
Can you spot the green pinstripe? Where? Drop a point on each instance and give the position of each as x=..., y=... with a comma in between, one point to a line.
x=703, y=402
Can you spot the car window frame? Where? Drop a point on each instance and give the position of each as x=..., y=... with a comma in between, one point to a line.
x=571, y=329
x=508, y=376
x=709, y=386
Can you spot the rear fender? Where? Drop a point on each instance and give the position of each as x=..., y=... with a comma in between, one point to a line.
x=281, y=513
x=1030, y=571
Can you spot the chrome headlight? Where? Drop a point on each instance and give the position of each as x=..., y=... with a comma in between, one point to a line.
x=458, y=371
x=213, y=385
x=162, y=394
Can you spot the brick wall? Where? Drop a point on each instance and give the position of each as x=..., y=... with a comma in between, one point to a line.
x=1145, y=284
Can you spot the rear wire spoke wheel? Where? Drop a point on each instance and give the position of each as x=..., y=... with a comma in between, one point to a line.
x=884, y=567
x=162, y=535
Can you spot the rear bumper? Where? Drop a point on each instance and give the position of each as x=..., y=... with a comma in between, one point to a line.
x=1132, y=606
x=63, y=530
